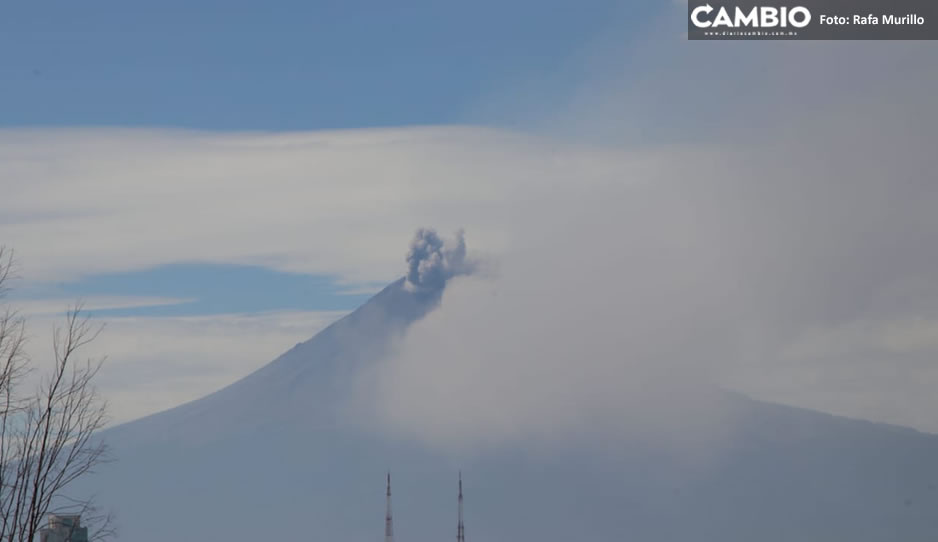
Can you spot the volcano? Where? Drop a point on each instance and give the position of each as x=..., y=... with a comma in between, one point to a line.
x=270, y=457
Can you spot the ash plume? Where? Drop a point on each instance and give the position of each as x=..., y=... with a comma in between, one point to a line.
x=431, y=260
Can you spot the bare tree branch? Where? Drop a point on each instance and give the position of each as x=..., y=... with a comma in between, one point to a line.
x=47, y=439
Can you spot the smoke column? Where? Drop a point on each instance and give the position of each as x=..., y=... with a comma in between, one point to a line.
x=431, y=261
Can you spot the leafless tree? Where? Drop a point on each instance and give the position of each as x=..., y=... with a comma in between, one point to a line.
x=48, y=435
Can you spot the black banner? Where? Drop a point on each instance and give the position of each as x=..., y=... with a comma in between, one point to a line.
x=812, y=20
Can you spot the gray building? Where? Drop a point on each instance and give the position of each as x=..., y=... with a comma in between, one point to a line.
x=63, y=529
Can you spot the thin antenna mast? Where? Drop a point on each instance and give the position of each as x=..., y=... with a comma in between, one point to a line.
x=460, y=529
x=388, y=527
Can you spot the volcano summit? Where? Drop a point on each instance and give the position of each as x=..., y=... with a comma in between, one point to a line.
x=275, y=457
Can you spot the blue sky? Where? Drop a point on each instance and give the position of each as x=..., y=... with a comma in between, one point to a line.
x=216, y=289
x=283, y=66
x=288, y=65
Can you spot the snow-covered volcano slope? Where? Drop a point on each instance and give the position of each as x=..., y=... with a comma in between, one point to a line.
x=300, y=385
x=269, y=458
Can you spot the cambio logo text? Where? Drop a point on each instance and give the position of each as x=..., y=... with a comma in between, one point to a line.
x=757, y=17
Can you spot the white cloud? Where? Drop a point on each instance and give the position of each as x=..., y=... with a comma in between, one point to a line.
x=85, y=201
x=155, y=363
x=53, y=306
x=617, y=305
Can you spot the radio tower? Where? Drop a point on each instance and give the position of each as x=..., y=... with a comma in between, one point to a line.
x=388, y=528
x=460, y=529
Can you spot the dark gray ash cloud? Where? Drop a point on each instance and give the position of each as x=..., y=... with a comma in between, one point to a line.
x=431, y=260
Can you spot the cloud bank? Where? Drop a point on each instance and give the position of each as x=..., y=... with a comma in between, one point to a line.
x=91, y=200
x=792, y=261
x=623, y=318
